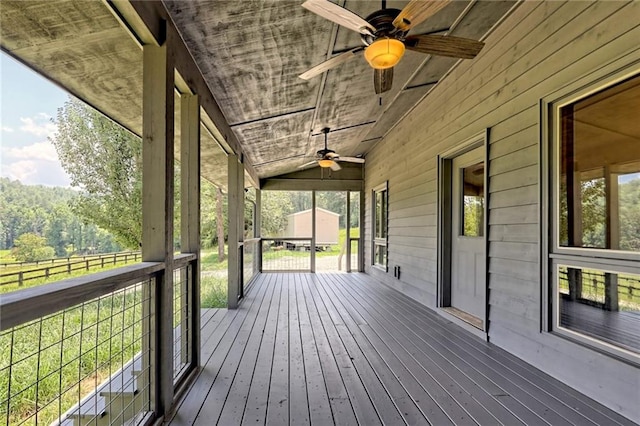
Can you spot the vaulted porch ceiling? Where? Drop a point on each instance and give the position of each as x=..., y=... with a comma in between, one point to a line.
x=250, y=54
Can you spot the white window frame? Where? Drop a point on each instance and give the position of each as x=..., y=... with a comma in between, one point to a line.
x=554, y=256
x=380, y=242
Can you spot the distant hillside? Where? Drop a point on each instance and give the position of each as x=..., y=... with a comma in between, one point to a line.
x=46, y=211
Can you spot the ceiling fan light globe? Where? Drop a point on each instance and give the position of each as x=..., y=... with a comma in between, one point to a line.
x=325, y=163
x=384, y=53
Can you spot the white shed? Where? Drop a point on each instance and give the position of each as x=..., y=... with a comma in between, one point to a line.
x=327, y=225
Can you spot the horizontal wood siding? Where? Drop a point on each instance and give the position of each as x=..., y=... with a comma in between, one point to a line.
x=539, y=49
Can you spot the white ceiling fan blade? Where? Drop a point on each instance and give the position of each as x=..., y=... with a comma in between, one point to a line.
x=351, y=159
x=307, y=164
x=417, y=11
x=335, y=166
x=339, y=15
x=330, y=63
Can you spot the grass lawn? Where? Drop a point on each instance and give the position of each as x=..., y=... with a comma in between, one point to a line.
x=209, y=260
x=5, y=256
x=213, y=281
x=213, y=292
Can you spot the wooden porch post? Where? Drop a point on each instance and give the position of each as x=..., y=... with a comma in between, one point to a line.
x=190, y=215
x=347, y=267
x=313, y=232
x=361, y=243
x=236, y=226
x=240, y=224
x=157, y=213
x=257, y=228
x=612, y=236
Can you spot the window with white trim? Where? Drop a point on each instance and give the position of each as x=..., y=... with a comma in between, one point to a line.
x=594, y=252
x=380, y=223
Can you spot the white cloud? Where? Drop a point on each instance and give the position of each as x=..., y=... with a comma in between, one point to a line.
x=21, y=170
x=37, y=151
x=35, y=164
x=35, y=172
x=7, y=129
x=39, y=125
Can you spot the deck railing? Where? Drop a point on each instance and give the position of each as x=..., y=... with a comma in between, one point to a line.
x=285, y=254
x=83, y=350
x=250, y=260
x=354, y=249
x=593, y=288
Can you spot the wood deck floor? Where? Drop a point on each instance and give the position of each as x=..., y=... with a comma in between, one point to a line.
x=344, y=349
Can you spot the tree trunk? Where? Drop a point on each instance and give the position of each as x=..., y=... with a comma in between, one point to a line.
x=220, y=224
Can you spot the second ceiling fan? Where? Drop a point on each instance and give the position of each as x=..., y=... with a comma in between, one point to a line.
x=328, y=158
x=384, y=35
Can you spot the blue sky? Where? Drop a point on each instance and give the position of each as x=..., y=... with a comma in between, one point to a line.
x=28, y=103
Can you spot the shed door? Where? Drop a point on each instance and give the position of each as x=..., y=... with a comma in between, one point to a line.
x=468, y=265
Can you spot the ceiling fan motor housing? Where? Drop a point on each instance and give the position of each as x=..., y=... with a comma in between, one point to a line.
x=382, y=21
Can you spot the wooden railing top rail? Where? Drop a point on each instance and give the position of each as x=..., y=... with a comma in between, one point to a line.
x=21, y=306
x=182, y=259
x=286, y=238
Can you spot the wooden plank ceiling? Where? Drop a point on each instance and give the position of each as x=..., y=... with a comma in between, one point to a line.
x=250, y=53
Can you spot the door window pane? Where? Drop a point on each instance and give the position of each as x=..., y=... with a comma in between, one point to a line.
x=599, y=187
x=473, y=201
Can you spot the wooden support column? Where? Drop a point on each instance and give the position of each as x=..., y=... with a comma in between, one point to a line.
x=240, y=223
x=313, y=231
x=190, y=216
x=257, y=228
x=612, y=236
x=157, y=213
x=235, y=217
x=361, y=243
x=348, y=237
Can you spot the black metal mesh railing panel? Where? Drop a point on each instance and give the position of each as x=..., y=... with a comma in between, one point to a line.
x=85, y=364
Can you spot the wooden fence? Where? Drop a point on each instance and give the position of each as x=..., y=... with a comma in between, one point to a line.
x=51, y=267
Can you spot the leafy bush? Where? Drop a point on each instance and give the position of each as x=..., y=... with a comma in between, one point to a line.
x=31, y=247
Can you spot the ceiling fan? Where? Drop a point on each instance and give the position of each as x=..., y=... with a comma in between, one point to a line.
x=327, y=158
x=384, y=35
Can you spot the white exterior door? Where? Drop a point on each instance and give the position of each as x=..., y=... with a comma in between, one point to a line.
x=468, y=264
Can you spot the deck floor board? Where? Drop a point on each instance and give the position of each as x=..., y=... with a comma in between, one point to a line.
x=335, y=348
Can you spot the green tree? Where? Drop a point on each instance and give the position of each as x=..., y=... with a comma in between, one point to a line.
x=220, y=222
x=104, y=162
x=276, y=205
x=630, y=215
x=31, y=247
x=57, y=233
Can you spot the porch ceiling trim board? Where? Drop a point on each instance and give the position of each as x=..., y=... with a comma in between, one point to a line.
x=345, y=349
